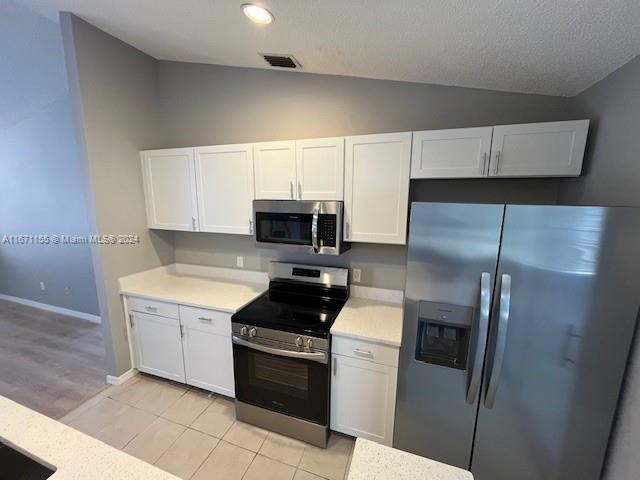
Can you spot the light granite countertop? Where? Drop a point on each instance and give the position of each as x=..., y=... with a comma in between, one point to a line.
x=371, y=314
x=372, y=461
x=225, y=290
x=73, y=455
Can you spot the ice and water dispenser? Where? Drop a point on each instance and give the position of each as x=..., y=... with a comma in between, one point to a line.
x=444, y=331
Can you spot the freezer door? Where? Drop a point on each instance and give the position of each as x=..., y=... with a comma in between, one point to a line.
x=565, y=310
x=452, y=258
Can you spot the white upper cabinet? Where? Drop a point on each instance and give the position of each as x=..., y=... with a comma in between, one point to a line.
x=170, y=189
x=377, y=187
x=224, y=178
x=300, y=170
x=320, y=169
x=455, y=153
x=211, y=189
x=275, y=170
x=538, y=149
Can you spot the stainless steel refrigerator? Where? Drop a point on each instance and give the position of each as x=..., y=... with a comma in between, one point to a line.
x=517, y=329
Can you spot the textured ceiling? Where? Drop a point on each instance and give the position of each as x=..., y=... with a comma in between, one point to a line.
x=557, y=47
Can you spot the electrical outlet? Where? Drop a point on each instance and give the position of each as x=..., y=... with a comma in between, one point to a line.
x=356, y=275
x=240, y=261
x=67, y=290
x=42, y=286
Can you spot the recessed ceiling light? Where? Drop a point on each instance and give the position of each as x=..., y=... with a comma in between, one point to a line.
x=257, y=14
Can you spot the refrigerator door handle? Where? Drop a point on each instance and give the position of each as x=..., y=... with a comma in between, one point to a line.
x=483, y=327
x=501, y=340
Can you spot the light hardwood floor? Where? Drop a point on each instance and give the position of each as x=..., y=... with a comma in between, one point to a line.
x=49, y=362
x=195, y=435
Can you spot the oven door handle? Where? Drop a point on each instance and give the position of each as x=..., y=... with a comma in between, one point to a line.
x=320, y=357
x=314, y=230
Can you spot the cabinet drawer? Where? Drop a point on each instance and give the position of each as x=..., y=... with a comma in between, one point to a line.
x=205, y=320
x=375, y=352
x=152, y=306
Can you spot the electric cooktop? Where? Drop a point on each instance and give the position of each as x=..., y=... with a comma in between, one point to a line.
x=295, y=306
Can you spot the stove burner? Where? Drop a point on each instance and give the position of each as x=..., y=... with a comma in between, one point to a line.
x=297, y=303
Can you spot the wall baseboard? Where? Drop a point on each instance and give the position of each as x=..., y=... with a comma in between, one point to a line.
x=53, y=308
x=113, y=380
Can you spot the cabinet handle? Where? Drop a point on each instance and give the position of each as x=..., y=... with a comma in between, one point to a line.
x=181, y=330
x=335, y=365
x=363, y=353
x=251, y=226
x=193, y=223
x=299, y=190
x=151, y=309
x=346, y=230
x=484, y=163
x=131, y=324
x=495, y=170
x=205, y=319
x=291, y=188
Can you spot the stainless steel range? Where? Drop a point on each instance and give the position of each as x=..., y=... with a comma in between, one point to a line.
x=281, y=351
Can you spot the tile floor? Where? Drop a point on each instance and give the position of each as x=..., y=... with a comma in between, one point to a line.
x=195, y=435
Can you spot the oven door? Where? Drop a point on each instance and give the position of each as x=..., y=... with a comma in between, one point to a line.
x=280, y=378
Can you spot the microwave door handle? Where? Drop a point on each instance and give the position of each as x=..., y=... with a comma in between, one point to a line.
x=481, y=343
x=320, y=357
x=314, y=230
x=501, y=341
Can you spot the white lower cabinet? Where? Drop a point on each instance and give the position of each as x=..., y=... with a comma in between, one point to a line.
x=195, y=348
x=363, y=397
x=208, y=352
x=159, y=346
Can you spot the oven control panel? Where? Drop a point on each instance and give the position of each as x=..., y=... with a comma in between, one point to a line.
x=303, y=342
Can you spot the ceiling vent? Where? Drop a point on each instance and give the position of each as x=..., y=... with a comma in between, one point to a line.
x=280, y=61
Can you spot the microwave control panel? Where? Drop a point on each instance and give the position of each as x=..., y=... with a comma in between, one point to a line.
x=327, y=230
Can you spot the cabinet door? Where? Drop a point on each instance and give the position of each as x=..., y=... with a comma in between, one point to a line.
x=538, y=149
x=224, y=176
x=208, y=359
x=275, y=170
x=377, y=187
x=159, y=345
x=456, y=153
x=320, y=168
x=363, y=398
x=170, y=189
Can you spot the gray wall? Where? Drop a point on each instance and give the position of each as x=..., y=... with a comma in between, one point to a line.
x=612, y=177
x=115, y=97
x=41, y=178
x=382, y=266
x=612, y=161
x=210, y=104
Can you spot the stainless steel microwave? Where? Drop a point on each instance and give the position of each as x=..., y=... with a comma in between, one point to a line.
x=300, y=225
